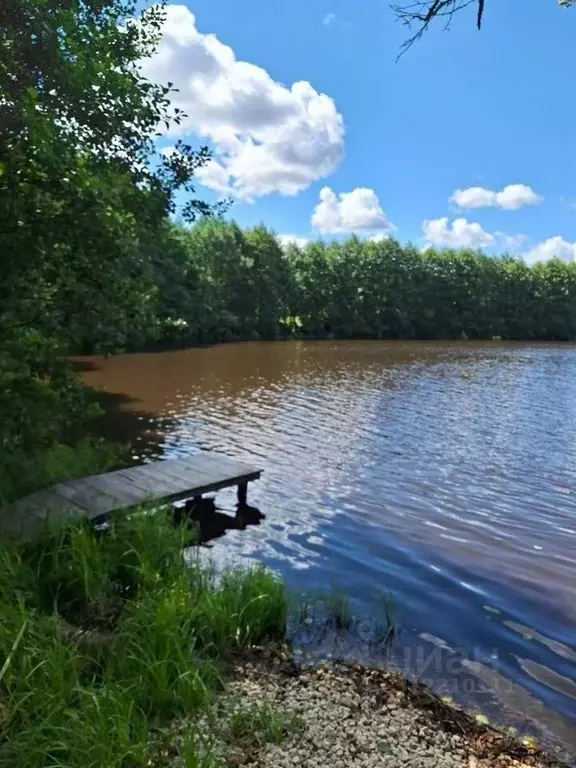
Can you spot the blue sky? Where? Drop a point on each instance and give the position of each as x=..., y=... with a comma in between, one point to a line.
x=392, y=141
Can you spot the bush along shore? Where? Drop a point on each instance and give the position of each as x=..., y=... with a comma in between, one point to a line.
x=116, y=650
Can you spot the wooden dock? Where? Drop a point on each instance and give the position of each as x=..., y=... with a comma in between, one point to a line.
x=96, y=496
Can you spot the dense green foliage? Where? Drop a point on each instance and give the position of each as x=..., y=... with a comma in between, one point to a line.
x=82, y=191
x=81, y=187
x=218, y=282
x=155, y=631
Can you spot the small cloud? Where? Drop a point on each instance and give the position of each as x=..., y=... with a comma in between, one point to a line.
x=511, y=198
x=330, y=18
x=458, y=234
x=378, y=237
x=356, y=211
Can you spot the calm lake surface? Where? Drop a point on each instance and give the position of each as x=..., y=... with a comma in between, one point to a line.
x=444, y=473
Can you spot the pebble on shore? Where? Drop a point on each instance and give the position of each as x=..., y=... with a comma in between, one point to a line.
x=354, y=717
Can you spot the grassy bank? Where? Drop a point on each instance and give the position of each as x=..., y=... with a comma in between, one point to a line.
x=117, y=651
x=106, y=639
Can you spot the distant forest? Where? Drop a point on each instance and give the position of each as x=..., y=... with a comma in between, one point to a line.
x=216, y=282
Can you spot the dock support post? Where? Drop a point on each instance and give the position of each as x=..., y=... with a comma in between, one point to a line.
x=242, y=494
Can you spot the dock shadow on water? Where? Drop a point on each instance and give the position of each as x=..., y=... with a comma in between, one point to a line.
x=207, y=523
x=444, y=473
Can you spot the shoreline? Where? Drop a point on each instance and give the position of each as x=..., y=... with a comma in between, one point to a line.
x=80, y=359
x=352, y=716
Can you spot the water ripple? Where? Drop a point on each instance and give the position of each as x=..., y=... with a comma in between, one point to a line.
x=443, y=472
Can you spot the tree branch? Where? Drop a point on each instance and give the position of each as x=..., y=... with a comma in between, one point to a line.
x=480, y=14
x=423, y=13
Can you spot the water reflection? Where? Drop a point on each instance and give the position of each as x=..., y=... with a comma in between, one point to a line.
x=443, y=472
x=206, y=522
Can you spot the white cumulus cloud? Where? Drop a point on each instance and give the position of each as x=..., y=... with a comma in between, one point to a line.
x=356, y=211
x=552, y=248
x=511, y=198
x=458, y=234
x=285, y=240
x=267, y=137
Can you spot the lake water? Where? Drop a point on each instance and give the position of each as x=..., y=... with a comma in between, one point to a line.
x=443, y=473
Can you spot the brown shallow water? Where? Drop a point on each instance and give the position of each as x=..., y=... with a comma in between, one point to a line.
x=444, y=473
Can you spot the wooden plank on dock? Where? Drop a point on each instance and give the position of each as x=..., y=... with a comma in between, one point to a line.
x=87, y=499
x=96, y=496
x=146, y=485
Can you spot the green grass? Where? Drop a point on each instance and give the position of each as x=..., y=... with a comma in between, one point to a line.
x=106, y=638
x=262, y=724
x=331, y=612
x=246, y=608
x=158, y=656
x=159, y=630
x=194, y=753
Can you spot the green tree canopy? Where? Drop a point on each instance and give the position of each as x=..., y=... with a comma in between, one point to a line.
x=81, y=184
x=82, y=194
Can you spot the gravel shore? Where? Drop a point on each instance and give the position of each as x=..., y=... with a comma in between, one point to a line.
x=348, y=716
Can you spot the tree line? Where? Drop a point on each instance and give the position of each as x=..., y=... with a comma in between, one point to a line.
x=217, y=282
